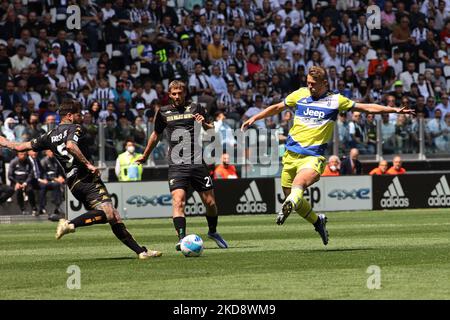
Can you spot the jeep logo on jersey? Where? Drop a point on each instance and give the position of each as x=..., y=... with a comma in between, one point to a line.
x=394, y=197
x=194, y=205
x=251, y=201
x=440, y=196
x=314, y=113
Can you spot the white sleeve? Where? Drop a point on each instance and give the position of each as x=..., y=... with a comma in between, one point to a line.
x=351, y=128
x=111, y=95
x=192, y=81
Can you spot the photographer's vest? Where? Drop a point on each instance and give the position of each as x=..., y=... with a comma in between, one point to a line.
x=129, y=171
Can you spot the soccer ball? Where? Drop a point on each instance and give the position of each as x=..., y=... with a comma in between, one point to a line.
x=192, y=246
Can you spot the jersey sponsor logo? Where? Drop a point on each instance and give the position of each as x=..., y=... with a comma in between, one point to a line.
x=314, y=113
x=440, y=196
x=194, y=205
x=251, y=201
x=179, y=117
x=394, y=196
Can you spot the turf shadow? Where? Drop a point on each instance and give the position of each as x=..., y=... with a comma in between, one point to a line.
x=114, y=258
x=339, y=250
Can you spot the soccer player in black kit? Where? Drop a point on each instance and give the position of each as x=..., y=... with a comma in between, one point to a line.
x=83, y=179
x=180, y=118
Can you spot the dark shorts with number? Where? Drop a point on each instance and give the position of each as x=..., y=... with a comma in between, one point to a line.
x=180, y=177
x=89, y=190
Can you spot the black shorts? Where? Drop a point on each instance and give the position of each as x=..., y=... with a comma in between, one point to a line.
x=89, y=190
x=180, y=177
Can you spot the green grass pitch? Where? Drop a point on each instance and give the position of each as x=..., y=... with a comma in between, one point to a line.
x=265, y=261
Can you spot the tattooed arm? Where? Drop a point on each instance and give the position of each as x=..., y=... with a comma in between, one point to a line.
x=16, y=146
x=74, y=150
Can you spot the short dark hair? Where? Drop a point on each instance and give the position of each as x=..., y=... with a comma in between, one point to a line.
x=67, y=107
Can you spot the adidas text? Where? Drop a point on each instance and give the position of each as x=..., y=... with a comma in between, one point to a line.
x=394, y=196
x=395, y=202
x=440, y=196
x=251, y=201
x=251, y=207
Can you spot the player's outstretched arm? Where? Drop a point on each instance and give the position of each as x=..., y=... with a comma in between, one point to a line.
x=16, y=146
x=376, y=108
x=151, y=144
x=268, y=112
x=73, y=149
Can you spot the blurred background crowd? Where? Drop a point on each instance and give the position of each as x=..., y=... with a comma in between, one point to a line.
x=237, y=56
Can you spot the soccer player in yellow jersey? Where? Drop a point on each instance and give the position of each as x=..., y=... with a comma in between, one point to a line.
x=316, y=110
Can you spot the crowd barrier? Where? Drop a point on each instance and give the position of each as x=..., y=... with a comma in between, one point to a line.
x=265, y=195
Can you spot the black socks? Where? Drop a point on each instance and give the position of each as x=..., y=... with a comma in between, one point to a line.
x=127, y=239
x=180, y=225
x=89, y=218
x=212, y=223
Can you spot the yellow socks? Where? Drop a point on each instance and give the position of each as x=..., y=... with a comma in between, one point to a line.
x=302, y=206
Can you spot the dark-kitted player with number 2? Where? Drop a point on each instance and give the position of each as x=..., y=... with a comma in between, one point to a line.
x=180, y=118
x=83, y=179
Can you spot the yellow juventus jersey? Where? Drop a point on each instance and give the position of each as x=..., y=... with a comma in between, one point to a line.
x=314, y=120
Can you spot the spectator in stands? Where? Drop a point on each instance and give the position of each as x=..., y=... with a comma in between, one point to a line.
x=224, y=129
x=225, y=170
x=53, y=181
x=396, y=168
x=111, y=135
x=381, y=169
x=20, y=175
x=357, y=133
x=20, y=60
x=9, y=97
x=402, y=134
x=126, y=168
x=343, y=130
x=351, y=165
x=256, y=108
x=388, y=134
x=6, y=192
x=430, y=107
x=370, y=127
x=444, y=105
x=438, y=130
x=333, y=167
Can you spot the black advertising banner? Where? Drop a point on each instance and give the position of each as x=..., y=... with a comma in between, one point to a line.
x=411, y=191
x=238, y=196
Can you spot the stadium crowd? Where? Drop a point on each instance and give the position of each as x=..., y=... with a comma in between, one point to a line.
x=237, y=56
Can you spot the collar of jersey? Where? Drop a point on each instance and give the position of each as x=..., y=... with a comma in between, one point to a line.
x=310, y=99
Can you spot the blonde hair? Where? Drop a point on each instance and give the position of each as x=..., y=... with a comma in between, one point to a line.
x=318, y=73
x=176, y=84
